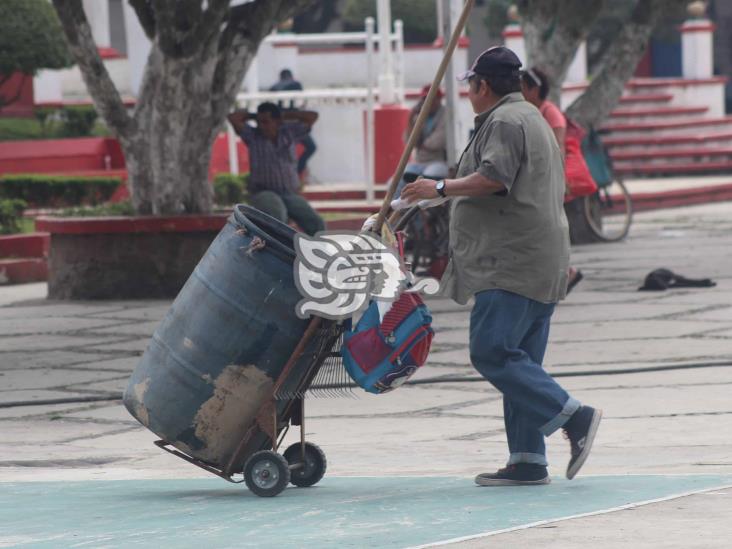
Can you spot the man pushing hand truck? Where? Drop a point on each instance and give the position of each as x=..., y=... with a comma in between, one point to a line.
x=509, y=249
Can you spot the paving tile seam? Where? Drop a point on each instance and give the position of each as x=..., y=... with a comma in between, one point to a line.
x=53, y=415
x=72, y=463
x=675, y=361
x=670, y=415
x=479, y=435
x=101, y=435
x=73, y=367
x=84, y=349
x=65, y=418
x=646, y=387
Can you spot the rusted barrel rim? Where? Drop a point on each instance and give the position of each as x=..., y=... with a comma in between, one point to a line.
x=278, y=236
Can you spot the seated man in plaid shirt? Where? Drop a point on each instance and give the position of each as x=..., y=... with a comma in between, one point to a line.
x=273, y=180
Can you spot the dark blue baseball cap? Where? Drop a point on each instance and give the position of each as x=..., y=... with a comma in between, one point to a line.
x=495, y=61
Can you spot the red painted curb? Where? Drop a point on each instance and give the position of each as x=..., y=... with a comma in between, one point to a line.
x=345, y=224
x=21, y=271
x=24, y=245
x=138, y=224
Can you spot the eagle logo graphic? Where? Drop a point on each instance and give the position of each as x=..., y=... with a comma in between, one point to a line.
x=338, y=274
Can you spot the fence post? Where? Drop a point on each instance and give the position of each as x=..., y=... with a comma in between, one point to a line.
x=697, y=47
x=370, y=109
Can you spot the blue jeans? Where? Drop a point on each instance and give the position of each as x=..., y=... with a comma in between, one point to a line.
x=508, y=337
x=309, y=150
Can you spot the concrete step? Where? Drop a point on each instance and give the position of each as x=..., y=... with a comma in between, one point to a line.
x=679, y=155
x=669, y=142
x=669, y=169
x=353, y=191
x=653, y=114
x=645, y=100
x=665, y=128
x=346, y=206
x=23, y=270
x=24, y=245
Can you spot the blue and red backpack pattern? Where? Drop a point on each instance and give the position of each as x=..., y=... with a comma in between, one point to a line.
x=380, y=356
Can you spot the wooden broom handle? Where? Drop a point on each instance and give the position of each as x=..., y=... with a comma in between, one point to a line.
x=423, y=113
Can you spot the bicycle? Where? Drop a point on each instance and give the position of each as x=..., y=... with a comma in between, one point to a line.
x=609, y=211
x=428, y=231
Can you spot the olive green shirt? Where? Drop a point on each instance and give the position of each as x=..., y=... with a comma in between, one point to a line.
x=518, y=239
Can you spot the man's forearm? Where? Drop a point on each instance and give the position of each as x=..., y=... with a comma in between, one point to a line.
x=306, y=117
x=473, y=185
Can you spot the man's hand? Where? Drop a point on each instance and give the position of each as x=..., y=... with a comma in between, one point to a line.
x=420, y=189
x=239, y=118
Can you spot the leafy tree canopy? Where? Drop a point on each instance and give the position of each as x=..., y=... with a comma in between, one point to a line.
x=30, y=37
x=419, y=17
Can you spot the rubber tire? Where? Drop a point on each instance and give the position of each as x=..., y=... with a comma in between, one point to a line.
x=592, y=224
x=279, y=463
x=314, y=469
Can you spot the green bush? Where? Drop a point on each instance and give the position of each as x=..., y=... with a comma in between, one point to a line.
x=77, y=121
x=11, y=214
x=49, y=191
x=230, y=189
x=105, y=210
x=12, y=129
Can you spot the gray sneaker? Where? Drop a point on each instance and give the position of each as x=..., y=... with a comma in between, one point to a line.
x=520, y=474
x=580, y=430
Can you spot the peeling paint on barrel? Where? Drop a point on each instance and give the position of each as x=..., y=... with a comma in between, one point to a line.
x=138, y=403
x=222, y=421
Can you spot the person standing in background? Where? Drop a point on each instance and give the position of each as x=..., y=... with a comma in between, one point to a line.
x=273, y=184
x=287, y=82
x=431, y=149
x=535, y=88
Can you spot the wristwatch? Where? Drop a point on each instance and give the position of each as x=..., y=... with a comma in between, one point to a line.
x=440, y=188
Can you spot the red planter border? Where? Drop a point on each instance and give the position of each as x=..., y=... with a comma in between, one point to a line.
x=137, y=224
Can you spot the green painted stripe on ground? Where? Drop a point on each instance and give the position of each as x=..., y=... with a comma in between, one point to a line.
x=339, y=512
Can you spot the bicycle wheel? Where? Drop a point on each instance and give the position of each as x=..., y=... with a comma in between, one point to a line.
x=609, y=212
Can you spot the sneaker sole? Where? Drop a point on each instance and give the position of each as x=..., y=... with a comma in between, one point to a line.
x=506, y=482
x=574, y=468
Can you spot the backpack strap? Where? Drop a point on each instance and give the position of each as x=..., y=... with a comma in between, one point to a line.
x=400, y=309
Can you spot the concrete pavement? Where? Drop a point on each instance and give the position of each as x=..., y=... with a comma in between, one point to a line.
x=671, y=415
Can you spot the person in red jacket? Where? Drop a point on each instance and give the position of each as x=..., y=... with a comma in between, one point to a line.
x=535, y=87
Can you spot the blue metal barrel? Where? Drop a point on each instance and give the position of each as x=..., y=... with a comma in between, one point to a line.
x=223, y=343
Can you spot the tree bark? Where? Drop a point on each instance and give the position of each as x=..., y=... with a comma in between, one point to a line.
x=196, y=64
x=553, y=30
x=619, y=63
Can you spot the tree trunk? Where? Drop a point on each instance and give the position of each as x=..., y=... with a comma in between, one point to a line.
x=200, y=54
x=553, y=30
x=619, y=63
x=169, y=153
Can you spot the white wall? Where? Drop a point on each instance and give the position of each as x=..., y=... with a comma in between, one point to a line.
x=341, y=67
x=138, y=48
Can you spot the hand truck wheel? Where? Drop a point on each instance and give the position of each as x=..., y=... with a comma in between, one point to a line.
x=312, y=470
x=266, y=473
